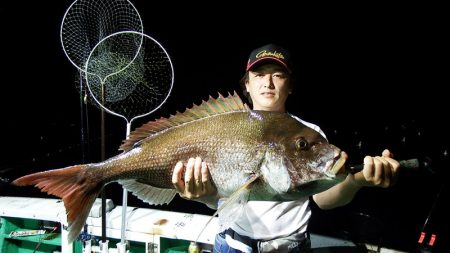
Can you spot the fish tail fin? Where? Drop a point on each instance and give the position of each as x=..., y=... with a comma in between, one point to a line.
x=73, y=186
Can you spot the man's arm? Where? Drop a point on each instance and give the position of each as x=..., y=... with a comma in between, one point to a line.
x=380, y=171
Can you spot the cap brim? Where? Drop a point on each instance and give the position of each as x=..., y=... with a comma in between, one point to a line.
x=268, y=59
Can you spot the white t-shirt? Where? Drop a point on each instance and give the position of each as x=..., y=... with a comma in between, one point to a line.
x=265, y=220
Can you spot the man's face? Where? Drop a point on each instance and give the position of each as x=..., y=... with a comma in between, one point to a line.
x=268, y=86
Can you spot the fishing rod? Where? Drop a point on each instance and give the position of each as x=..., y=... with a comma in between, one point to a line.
x=414, y=164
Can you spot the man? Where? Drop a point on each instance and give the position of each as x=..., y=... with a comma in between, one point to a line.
x=270, y=226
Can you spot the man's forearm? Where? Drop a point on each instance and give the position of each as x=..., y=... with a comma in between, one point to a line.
x=338, y=195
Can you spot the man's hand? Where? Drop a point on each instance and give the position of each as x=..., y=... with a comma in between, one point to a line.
x=381, y=171
x=193, y=182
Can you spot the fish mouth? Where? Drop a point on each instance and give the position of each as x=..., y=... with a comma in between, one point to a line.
x=335, y=173
x=337, y=166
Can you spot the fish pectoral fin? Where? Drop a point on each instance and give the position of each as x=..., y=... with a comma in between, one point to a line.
x=232, y=207
x=147, y=193
x=237, y=199
x=250, y=172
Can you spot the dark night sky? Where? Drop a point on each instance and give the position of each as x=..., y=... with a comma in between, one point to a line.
x=366, y=74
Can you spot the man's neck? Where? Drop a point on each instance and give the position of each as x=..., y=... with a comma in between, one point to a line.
x=270, y=109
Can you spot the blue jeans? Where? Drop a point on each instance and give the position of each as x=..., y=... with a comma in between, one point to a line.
x=287, y=244
x=221, y=246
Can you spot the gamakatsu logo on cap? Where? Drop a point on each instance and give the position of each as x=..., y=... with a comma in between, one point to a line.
x=264, y=53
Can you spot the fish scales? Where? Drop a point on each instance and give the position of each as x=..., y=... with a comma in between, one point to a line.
x=154, y=158
x=259, y=155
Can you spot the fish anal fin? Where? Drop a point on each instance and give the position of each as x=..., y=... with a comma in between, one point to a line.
x=147, y=193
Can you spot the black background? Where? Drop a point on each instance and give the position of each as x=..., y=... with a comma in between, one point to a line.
x=372, y=77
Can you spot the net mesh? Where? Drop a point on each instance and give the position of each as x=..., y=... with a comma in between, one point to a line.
x=130, y=74
x=87, y=22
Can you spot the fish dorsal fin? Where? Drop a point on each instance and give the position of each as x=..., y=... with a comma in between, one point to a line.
x=213, y=106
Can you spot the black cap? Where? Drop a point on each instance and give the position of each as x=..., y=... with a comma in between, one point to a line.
x=272, y=53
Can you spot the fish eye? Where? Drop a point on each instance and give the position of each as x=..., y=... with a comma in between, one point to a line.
x=301, y=144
